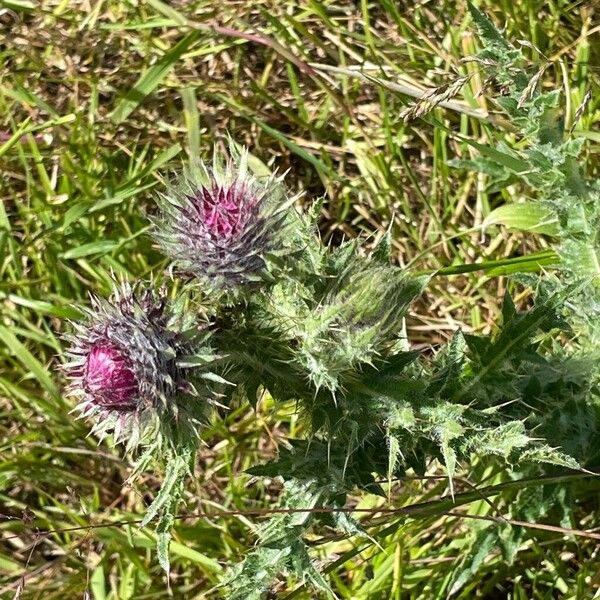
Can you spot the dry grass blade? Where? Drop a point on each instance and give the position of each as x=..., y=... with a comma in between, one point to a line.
x=407, y=88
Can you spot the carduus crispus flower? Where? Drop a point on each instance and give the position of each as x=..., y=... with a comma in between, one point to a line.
x=221, y=221
x=128, y=361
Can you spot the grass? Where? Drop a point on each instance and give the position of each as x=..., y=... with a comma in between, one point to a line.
x=98, y=104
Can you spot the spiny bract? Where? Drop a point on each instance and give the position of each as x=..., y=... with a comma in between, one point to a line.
x=126, y=363
x=219, y=222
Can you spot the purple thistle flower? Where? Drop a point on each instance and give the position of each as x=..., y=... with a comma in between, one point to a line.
x=225, y=210
x=220, y=222
x=126, y=366
x=109, y=377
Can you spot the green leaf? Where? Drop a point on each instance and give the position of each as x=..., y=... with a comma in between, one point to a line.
x=127, y=582
x=26, y=128
x=184, y=551
x=502, y=440
x=516, y=335
x=383, y=251
x=161, y=159
x=162, y=549
x=526, y=216
x=510, y=161
x=445, y=423
x=97, y=583
x=509, y=311
x=168, y=11
x=292, y=146
x=484, y=542
x=550, y=455
x=393, y=453
x=487, y=29
x=74, y=213
x=24, y=5
x=192, y=120
x=46, y=308
x=99, y=247
x=177, y=468
x=494, y=268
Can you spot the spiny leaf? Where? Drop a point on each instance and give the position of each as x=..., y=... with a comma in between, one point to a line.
x=486, y=28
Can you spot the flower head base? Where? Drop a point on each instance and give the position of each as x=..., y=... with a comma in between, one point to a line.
x=126, y=366
x=221, y=221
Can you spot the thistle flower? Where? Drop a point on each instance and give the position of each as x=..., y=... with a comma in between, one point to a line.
x=126, y=366
x=109, y=377
x=220, y=221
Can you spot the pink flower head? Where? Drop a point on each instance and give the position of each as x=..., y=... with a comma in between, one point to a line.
x=226, y=209
x=109, y=377
x=220, y=222
x=123, y=363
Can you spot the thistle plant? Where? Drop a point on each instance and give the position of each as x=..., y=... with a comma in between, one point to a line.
x=220, y=221
x=325, y=329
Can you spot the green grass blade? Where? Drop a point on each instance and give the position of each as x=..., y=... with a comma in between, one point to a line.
x=29, y=361
x=151, y=78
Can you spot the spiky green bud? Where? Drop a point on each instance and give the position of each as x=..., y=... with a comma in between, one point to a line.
x=359, y=319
